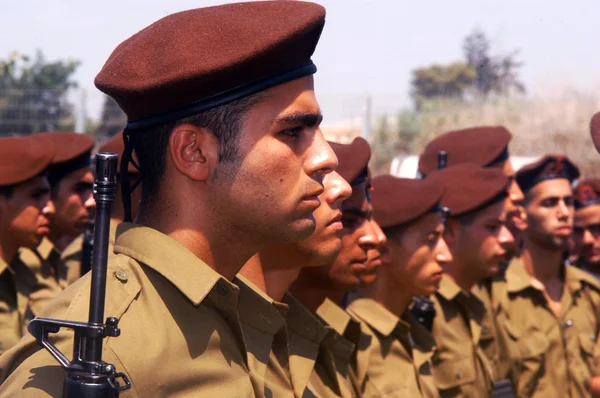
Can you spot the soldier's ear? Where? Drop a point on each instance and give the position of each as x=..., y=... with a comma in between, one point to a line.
x=194, y=151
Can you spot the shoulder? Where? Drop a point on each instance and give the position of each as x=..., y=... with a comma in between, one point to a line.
x=584, y=277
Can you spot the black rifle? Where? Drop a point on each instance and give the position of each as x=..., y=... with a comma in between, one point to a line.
x=87, y=375
x=87, y=247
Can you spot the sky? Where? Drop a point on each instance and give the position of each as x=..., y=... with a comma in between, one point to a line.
x=368, y=47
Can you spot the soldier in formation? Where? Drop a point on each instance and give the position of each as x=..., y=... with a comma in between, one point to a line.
x=249, y=257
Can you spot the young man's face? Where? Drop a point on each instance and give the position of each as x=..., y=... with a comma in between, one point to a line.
x=74, y=200
x=324, y=244
x=549, y=207
x=479, y=242
x=515, y=211
x=418, y=255
x=376, y=256
x=272, y=190
x=587, y=235
x=358, y=237
x=25, y=212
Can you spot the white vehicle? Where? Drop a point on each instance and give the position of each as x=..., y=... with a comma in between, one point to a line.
x=408, y=166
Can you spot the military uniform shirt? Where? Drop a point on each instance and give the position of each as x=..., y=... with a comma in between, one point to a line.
x=548, y=356
x=71, y=257
x=348, y=326
x=400, y=352
x=460, y=367
x=181, y=334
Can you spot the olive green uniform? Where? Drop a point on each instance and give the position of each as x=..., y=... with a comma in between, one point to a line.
x=548, y=356
x=460, y=367
x=399, y=354
x=181, y=333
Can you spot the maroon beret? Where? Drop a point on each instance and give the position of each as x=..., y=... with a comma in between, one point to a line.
x=116, y=145
x=398, y=201
x=73, y=152
x=482, y=146
x=587, y=193
x=353, y=158
x=595, y=130
x=198, y=59
x=547, y=168
x=469, y=187
x=22, y=158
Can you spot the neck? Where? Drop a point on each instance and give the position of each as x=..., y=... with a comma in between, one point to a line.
x=8, y=252
x=459, y=274
x=313, y=294
x=394, y=298
x=220, y=248
x=541, y=263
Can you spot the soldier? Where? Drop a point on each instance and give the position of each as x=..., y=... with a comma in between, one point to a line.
x=272, y=271
x=478, y=240
x=408, y=211
x=25, y=206
x=322, y=289
x=586, y=231
x=548, y=312
x=223, y=119
x=57, y=259
x=485, y=146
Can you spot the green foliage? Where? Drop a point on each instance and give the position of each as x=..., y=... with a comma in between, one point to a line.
x=481, y=74
x=33, y=94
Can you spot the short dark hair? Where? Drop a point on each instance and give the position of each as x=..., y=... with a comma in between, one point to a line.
x=150, y=145
x=7, y=190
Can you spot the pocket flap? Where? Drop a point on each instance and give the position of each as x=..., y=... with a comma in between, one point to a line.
x=587, y=341
x=533, y=345
x=448, y=374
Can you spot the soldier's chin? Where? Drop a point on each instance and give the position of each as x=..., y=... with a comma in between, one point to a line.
x=298, y=230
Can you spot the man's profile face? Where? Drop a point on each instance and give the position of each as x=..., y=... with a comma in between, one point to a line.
x=586, y=234
x=376, y=256
x=25, y=212
x=74, y=200
x=549, y=207
x=515, y=210
x=272, y=189
x=358, y=237
x=418, y=255
x=481, y=243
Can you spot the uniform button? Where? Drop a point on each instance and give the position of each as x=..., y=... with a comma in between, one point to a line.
x=121, y=275
x=458, y=375
x=592, y=337
x=221, y=290
x=570, y=322
x=484, y=330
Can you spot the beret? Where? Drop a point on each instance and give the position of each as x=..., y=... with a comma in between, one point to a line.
x=73, y=152
x=198, y=59
x=587, y=193
x=22, y=158
x=595, y=130
x=116, y=145
x=469, y=187
x=547, y=168
x=483, y=146
x=398, y=201
x=353, y=159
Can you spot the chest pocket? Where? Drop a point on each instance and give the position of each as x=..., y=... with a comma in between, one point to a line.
x=527, y=353
x=452, y=374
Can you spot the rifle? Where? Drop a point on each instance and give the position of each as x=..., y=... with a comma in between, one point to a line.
x=87, y=375
x=88, y=245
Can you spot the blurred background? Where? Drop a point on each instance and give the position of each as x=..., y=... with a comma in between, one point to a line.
x=395, y=72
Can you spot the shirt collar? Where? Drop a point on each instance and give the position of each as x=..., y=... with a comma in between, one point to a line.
x=448, y=288
x=334, y=316
x=304, y=322
x=45, y=248
x=189, y=274
x=517, y=279
x=375, y=315
x=256, y=308
x=3, y=266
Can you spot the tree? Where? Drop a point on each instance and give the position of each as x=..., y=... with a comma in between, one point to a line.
x=494, y=74
x=441, y=81
x=33, y=94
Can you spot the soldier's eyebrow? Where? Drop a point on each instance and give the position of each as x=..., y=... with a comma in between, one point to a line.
x=303, y=118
